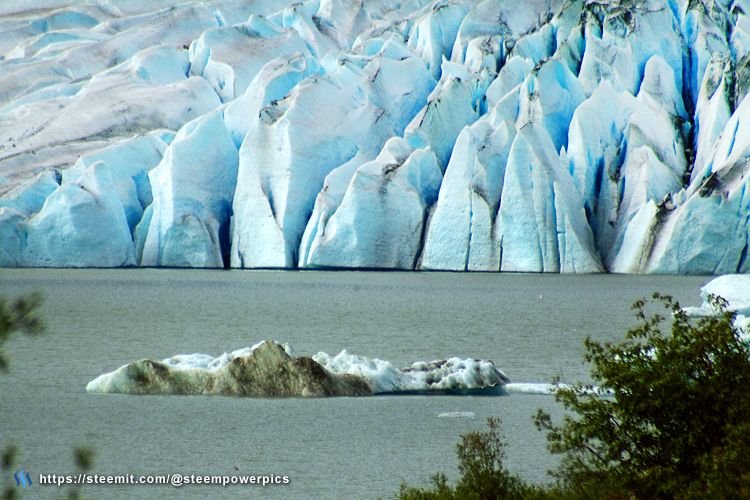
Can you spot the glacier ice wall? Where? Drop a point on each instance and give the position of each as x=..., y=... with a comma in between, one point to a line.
x=466, y=135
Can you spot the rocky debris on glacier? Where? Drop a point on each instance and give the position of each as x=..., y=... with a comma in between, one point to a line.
x=470, y=135
x=270, y=369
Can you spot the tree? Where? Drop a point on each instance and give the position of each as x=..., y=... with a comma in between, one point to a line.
x=668, y=416
x=482, y=472
x=18, y=316
x=676, y=424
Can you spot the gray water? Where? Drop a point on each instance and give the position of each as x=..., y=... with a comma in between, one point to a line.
x=532, y=326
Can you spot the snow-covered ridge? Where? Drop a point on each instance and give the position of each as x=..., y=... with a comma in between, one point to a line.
x=271, y=369
x=548, y=136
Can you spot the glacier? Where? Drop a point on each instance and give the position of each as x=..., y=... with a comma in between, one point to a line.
x=561, y=136
x=270, y=369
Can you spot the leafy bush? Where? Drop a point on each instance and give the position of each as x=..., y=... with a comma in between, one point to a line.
x=18, y=316
x=673, y=427
x=668, y=416
x=21, y=315
x=483, y=475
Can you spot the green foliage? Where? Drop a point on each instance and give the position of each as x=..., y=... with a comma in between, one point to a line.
x=482, y=472
x=668, y=417
x=7, y=462
x=8, y=458
x=83, y=457
x=19, y=315
x=441, y=490
x=480, y=463
x=677, y=425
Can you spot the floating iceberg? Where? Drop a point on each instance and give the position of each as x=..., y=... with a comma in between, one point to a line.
x=448, y=376
x=457, y=414
x=468, y=135
x=269, y=369
x=735, y=289
x=541, y=389
x=538, y=389
x=266, y=369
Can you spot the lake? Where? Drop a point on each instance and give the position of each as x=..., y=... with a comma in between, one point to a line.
x=531, y=326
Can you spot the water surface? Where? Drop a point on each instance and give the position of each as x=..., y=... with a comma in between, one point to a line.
x=532, y=326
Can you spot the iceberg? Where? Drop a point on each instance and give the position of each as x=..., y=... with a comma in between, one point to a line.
x=465, y=135
x=270, y=369
x=448, y=376
x=457, y=414
x=266, y=370
x=735, y=290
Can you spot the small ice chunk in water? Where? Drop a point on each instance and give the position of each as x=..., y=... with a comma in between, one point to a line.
x=457, y=414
